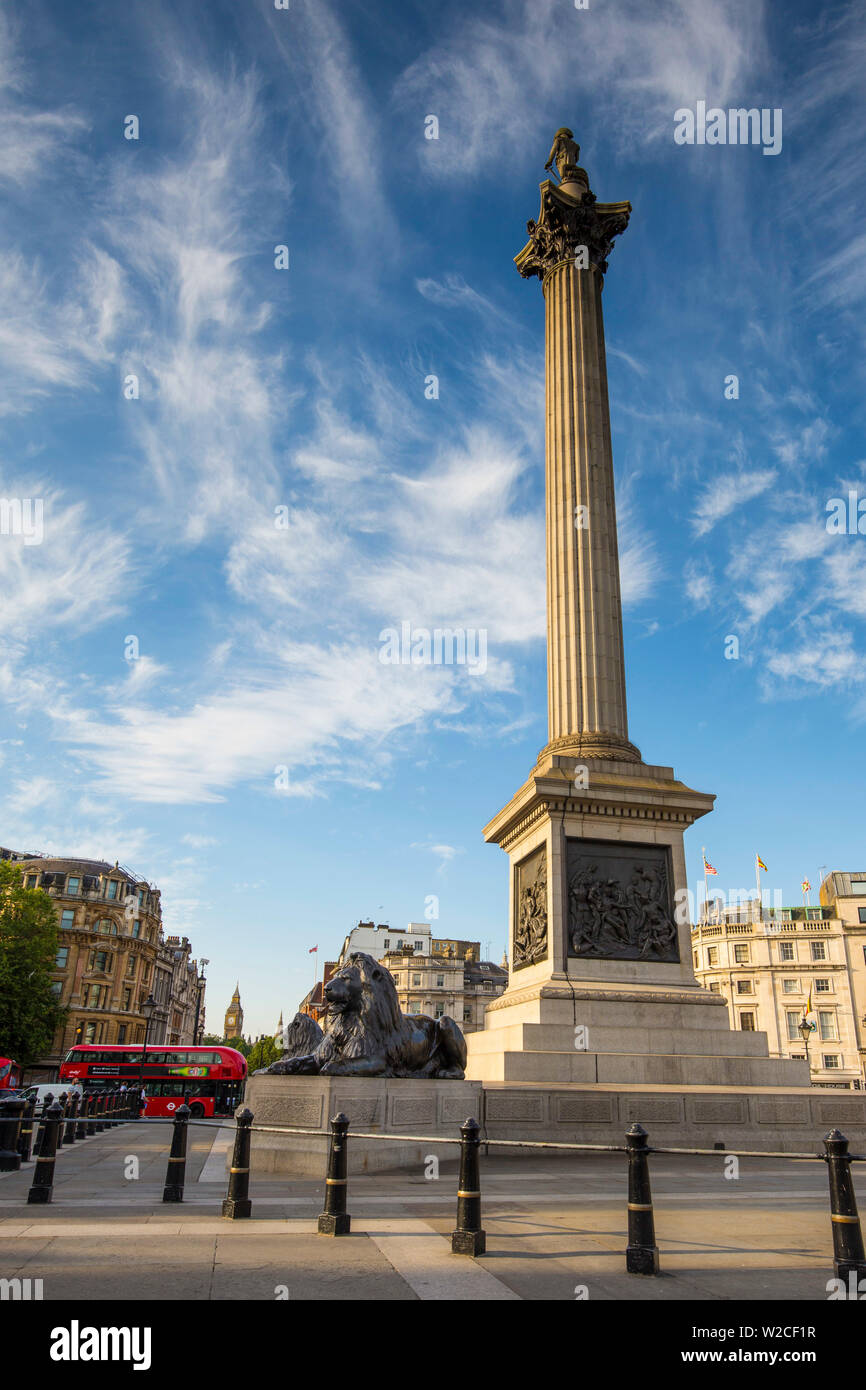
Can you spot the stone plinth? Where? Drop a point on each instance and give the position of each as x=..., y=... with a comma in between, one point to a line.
x=373, y=1104
x=787, y=1119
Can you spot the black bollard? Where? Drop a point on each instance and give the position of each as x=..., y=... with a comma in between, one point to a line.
x=848, y=1254
x=91, y=1113
x=237, y=1202
x=11, y=1112
x=72, y=1112
x=81, y=1127
x=25, y=1138
x=43, y=1175
x=642, y=1253
x=335, y=1220
x=175, y=1173
x=63, y=1102
x=469, y=1238
x=43, y=1117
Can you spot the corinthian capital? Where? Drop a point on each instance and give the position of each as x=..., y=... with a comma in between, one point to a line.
x=569, y=221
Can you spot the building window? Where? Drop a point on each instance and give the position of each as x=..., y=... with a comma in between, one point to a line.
x=419, y=945
x=744, y=986
x=747, y=1022
x=440, y=981
x=136, y=928
x=387, y=944
x=93, y=997
x=56, y=987
x=861, y=913
x=62, y=958
x=786, y=950
x=127, y=1000
x=831, y=1061
x=31, y=880
x=858, y=887
x=73, y=885
x=695, y=959
x=793, y=1021
x=145, y=971
x=715, y=987
x=741, y=953
x=827, y=1025
x=467, y=1015
x=822, y=986
x=130, y=969
x=121, y=1033
x=112, y=888
x=67, y=917
x=819, y=950
x=790, y=986
x=416, y=979
x=100, y=960
x=440, y=1010
x=90, y=1033
x=712, y=955
x=415, y=1008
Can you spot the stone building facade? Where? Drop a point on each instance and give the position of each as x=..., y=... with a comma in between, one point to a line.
x=770, y=965
x=111, y=956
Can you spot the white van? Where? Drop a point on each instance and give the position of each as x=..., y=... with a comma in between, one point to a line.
x=54, y=1088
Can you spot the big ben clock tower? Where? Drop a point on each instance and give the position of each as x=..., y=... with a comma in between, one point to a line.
x=234, y=1016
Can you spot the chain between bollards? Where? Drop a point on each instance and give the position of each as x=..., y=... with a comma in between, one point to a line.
x=176, y=1171
x=236, y=1203
x=43, y=1176
x=642, y=1253
x=469, y=1238
x=335, y=1220
x=848, y=1256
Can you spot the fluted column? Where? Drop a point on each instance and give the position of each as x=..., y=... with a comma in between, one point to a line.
x=585, y=665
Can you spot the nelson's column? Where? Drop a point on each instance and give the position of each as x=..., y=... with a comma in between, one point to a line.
x=602, y=987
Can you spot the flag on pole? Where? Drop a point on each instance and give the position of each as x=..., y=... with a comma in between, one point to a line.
x=312, y=949
x=761, y=864
x=708, y=868
x=808, y=1009
x=806, y=886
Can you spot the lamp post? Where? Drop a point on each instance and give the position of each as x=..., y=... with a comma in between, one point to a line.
x=147, y=1009
x=806, y=1029
x=201, y=985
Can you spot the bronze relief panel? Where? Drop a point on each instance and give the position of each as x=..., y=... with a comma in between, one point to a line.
x=620, y=902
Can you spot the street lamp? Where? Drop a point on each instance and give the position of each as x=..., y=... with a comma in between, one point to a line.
x=147, y=1008
x=201, y=984
x=806, y=1029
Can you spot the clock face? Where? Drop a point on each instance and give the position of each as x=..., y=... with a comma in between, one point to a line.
x=231, y=1018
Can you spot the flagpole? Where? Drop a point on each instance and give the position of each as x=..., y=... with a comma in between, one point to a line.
x=758, y=881
x=706, y=889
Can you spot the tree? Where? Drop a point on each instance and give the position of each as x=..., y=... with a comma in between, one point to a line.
x=29, y=936
x=238, y=1044
x=262, y=1053
x=211, y=1040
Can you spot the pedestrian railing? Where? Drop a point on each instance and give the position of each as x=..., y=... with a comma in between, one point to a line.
x=62, y=1120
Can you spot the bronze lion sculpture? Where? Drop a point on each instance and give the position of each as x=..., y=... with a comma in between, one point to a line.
x=300, y=1037
x=368, y=1035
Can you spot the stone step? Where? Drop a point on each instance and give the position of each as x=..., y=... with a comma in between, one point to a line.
x=684, y=1069
x=689, y=1011
x=557, y=1037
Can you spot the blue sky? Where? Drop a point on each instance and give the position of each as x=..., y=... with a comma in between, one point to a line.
x=304, y=389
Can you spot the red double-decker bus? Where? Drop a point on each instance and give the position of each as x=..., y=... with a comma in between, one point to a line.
x=209, y=1079
x=10, y=1074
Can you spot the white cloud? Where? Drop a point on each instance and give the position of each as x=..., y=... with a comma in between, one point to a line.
x=725, y=493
